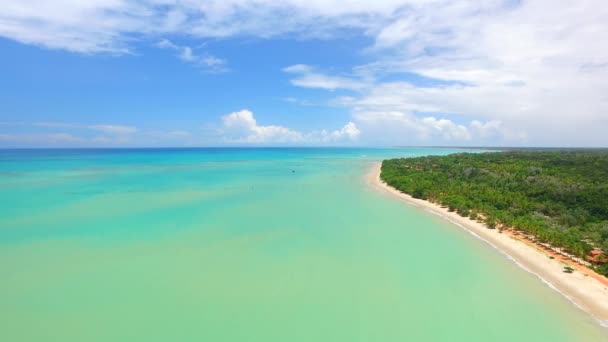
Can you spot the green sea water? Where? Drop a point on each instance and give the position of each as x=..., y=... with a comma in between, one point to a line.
x=249, y=245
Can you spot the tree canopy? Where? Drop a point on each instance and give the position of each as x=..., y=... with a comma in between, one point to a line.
x=560, y=197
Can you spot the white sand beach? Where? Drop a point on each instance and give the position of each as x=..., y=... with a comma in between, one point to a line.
x=585, y=288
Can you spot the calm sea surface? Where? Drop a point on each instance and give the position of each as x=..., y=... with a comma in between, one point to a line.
x=248, y=245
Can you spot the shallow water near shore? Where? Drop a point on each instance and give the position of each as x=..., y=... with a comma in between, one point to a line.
x=248, y=245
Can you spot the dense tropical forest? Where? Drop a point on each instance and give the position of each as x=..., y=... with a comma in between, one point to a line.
x=559, y=197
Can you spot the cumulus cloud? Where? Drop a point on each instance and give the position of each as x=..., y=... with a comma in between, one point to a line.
x=512, y=73
x=239, y=127
x=405, y=108
x=402, y=128
x=242, y=127
x=349, y=130
x=447, y=129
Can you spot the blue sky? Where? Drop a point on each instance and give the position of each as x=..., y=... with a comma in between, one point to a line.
x=239, y=72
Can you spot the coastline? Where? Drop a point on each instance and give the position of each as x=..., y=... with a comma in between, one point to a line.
x=584, y=287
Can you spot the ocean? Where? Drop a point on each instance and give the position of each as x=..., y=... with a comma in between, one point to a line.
x=249, y=244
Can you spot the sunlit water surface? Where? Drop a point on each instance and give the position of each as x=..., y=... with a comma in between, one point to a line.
x=248, y=245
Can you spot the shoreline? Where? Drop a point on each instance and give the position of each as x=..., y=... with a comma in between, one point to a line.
x=584, y=288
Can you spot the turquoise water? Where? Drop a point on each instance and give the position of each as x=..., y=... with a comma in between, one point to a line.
x=232, y=245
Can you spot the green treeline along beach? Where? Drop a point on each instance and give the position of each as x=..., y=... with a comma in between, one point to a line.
x=560, y=197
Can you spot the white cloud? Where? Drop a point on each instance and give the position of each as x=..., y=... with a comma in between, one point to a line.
x=186, y=54
x=242, y=127
x=521, y=64
x=447, y=129
x=349, y=130
x=65, y=134
x=538, y=67
x=402, y=128
x=108, y=129
x=298, y=68
x=167, y=44
x=178, y=134
x=80, y=26
x=237, y=128
x=486, y=130
x=535, y=67
x=110, y=25
x=38, y=139
x=114, y=129
x=113, y=134
x=307, y=77
x=298, y=101
x=531, y=72
x=348, y=133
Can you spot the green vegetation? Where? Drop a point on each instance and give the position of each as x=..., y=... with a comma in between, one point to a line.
x=559, y=197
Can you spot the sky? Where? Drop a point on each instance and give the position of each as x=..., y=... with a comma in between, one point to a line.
x=137, y=73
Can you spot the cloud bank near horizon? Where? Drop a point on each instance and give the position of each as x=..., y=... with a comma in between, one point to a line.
x=236, y=129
